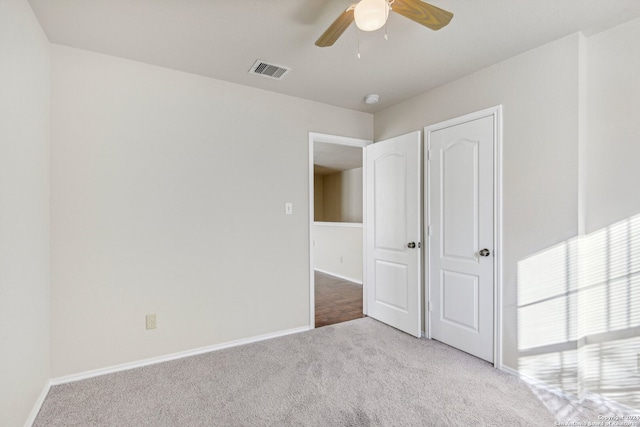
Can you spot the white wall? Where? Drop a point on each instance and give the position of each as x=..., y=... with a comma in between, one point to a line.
x=338, y=249
x=613, y=165
x=580, y=323
x=162, y=202
x=539, y=92
x=609, y=313
x=24, y=211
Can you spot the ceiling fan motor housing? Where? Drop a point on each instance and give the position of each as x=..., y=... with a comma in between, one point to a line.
x=371, y=15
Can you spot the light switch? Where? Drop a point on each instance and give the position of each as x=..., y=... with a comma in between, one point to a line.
x=288, y=208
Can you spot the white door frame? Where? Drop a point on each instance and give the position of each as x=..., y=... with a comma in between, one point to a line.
x=339, y=140
x=496, y=113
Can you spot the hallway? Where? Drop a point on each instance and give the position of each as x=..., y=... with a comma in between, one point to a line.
x=337, y=300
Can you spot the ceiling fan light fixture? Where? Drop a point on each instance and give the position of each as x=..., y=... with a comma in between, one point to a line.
x=371, y=15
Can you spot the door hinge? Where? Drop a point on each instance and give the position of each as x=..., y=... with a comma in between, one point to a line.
x=428, y=230
x=428, y=154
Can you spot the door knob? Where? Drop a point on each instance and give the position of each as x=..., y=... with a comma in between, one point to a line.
x=485, y=252
x=411, y=245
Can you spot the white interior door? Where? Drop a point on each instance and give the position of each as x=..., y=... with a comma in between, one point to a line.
x=393, y=232
x=461, y=219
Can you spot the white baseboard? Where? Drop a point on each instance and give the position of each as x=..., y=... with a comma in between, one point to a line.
x=510, y=371
x=350, y=279
x=38, y=405
x=173, y=356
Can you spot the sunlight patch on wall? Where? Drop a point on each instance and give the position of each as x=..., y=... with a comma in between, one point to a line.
x=558, y=369
x=545, y=323
x=610, y=370
x=579, y=314
x=547, y=296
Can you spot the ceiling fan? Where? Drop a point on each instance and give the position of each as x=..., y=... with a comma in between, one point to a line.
x=370, y=15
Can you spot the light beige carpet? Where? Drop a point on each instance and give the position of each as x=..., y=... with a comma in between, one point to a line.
x=358, y=373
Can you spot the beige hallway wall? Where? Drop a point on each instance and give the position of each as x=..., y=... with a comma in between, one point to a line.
x=340, y=196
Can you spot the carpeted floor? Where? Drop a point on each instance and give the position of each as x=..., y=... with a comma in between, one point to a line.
x=358, y=373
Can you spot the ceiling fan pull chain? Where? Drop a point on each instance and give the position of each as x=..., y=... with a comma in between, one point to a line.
x=386, y=23
x=358, y=37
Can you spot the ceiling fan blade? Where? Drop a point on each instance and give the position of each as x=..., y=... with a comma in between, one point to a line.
x=422, y=13
x=335, y=30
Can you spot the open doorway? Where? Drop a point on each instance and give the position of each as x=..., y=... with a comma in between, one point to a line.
x=336, y=202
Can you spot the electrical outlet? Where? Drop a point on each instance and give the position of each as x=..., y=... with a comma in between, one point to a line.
x=151, y=321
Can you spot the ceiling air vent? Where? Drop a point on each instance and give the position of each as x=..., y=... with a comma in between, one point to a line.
x=269, y=70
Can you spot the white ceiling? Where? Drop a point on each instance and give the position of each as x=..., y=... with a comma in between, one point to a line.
x=329, y=158
x=223, y=38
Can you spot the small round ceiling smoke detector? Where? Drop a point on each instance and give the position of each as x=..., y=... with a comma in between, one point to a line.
x=372, y=99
